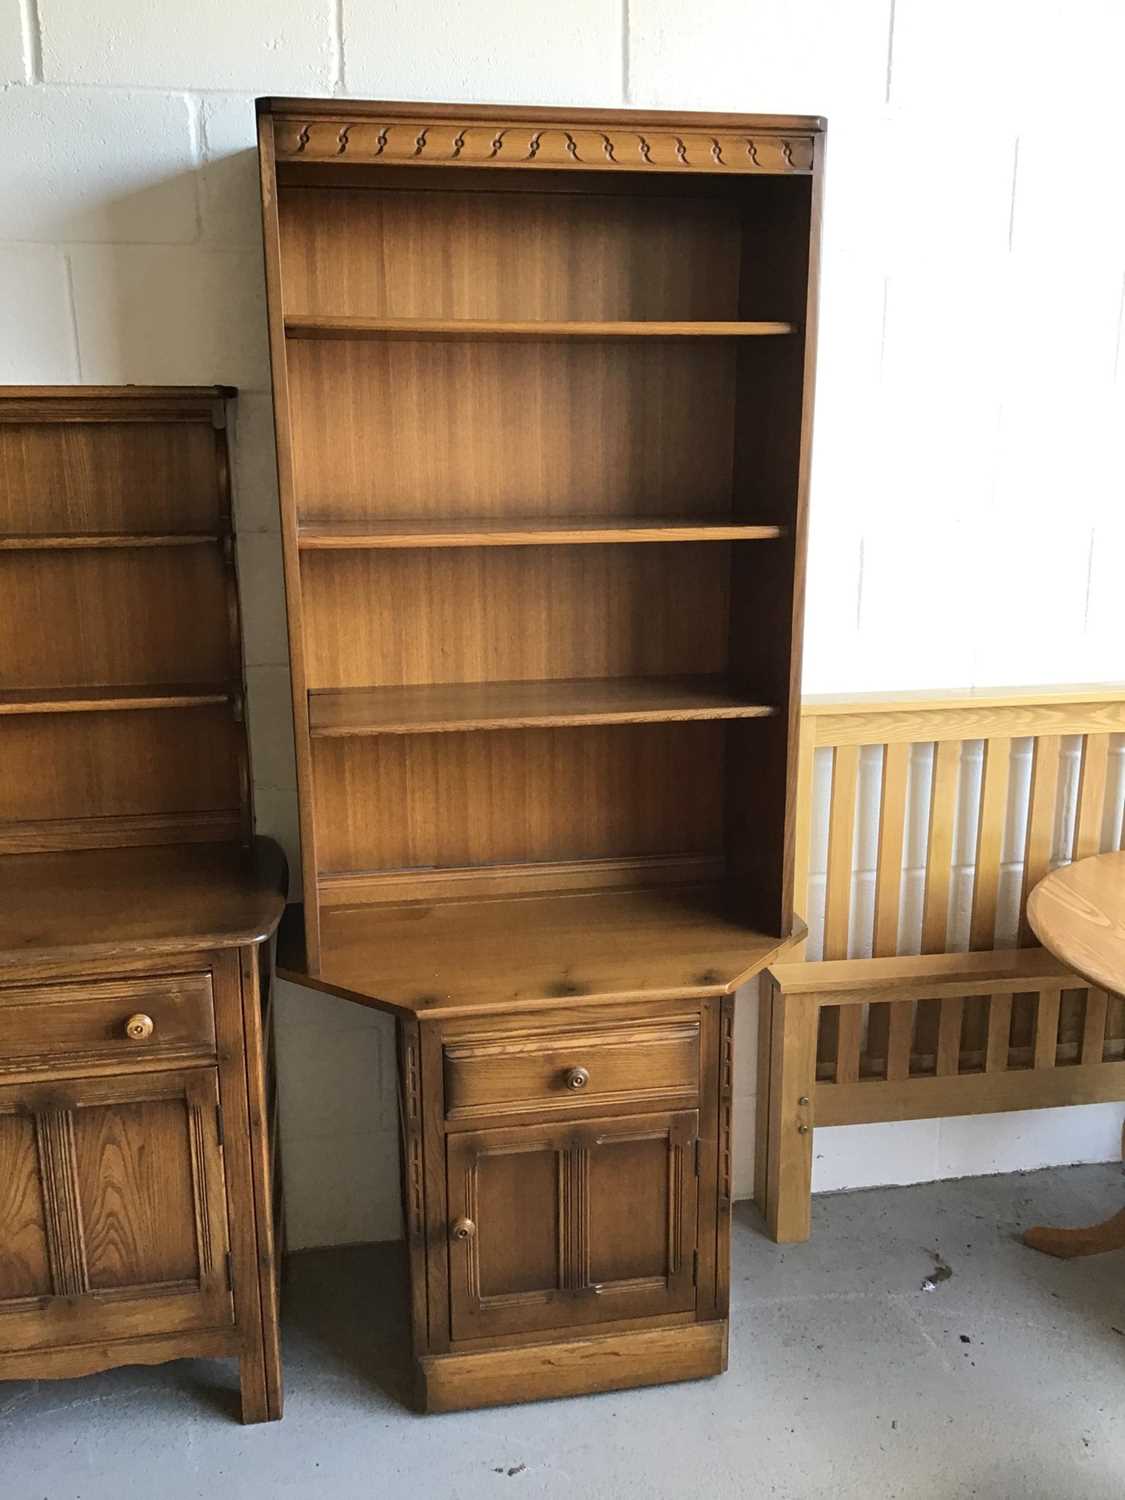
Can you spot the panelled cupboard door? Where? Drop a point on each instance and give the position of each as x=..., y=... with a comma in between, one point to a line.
x=112, y=1209
x=558, y=1226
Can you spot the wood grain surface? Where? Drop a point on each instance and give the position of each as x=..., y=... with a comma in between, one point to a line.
x=535, y=952
x=1078, y=912
x=444, y=707
x=117, y=902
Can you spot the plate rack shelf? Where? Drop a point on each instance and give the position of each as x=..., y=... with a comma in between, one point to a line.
x=117, y=725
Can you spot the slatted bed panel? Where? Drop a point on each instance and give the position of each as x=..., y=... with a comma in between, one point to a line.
x=921, y=1049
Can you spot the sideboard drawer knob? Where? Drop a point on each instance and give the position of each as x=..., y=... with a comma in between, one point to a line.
x=140, y=1027
x=463, y=1229
x=577, y=1078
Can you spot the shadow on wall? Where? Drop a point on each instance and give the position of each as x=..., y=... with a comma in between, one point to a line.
x=176, y=313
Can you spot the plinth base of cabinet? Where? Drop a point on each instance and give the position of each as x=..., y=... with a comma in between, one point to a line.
x=259, y=1379
x=573, y=1367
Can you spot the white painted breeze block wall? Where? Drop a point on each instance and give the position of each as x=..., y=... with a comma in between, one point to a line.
x=968, y=518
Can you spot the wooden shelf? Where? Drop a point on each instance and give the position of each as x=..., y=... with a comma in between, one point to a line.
x=104, y=903
x=449, y=707
x=529, y=531
x=80, y=700
x=305, y=327
x=528, y=951
x=65, y=541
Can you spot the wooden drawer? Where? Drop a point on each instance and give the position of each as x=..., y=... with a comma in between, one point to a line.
x=48, y=1028
x=634, y=1063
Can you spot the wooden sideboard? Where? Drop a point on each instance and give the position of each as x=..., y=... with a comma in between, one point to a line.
x=136, y=1166
x=542, y=385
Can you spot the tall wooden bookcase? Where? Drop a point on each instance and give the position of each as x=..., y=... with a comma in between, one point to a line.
x=543, y=391
x=137, y=1110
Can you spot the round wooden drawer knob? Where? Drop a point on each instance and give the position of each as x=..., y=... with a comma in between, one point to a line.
x=577, y=1078
x=139, y=1028
x=463, y=1229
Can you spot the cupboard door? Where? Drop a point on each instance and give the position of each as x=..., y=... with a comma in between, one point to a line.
x=557, y=1226
x=112, y=1210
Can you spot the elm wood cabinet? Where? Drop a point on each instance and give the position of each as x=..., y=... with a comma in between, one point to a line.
x=136, y=1174
x=135, y=1164
x=542, y=386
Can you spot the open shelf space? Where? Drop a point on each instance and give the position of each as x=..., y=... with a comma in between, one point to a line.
x=437, y=802
x=77, y=619
x=79, y=700
x=120, y=665
x=377, y=619
x=111, y=476
x=448, y=707
x=529, y=531
x=503, y=389
x=489, y=328
x=460, y=956
x=395, y=429
x=65, y=541
x=148, y=767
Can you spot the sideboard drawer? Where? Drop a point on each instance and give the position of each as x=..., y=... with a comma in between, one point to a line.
x=528, y=1071
x=112, y=1023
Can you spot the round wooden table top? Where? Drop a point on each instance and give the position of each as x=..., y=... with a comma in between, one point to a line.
x=1078, y=914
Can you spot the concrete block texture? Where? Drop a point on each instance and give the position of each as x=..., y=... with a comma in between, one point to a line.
x=1014, y=58
x=262, y=46
x=340, y=1070
x=265, y=637
x=255, y=464
x=228, y=174
x=508, y=53
x=39, y=341
x=336, y=1189
x=15, y=51
x=815, y=58
x=97, y=165
x=170, y=315
x=269, y=711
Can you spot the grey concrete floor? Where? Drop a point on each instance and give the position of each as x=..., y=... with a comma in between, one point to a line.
x=847, y=1379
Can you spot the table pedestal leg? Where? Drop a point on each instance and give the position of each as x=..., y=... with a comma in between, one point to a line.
x=1067, y=1243
x=1093, y=1240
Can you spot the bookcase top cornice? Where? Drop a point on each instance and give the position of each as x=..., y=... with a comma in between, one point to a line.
x=351, y=131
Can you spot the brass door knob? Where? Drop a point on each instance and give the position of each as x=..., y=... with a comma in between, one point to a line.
x=577, y=1078
x=139, y=1028
x=463, y=1229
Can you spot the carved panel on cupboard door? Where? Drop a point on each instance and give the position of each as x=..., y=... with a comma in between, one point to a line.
x=127, y=1192
x=563, y=1225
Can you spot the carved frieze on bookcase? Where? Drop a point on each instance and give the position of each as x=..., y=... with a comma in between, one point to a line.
x=502, y=139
